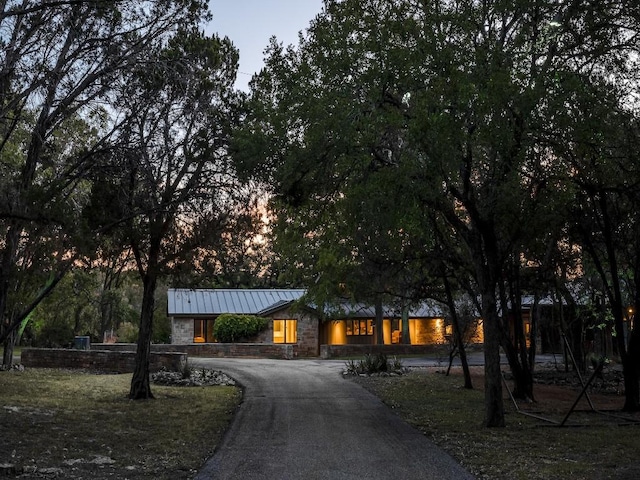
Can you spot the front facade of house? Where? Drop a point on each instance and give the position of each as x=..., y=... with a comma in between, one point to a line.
x=193, y=313
x=426, y=326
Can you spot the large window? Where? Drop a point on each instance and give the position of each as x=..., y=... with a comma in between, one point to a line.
x=203, y=330
x=359, y=327
x=396, y=330
x=285, y=331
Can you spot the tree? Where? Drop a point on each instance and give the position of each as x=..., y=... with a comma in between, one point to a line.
x=170, y=179
x=454, y=100
x=606, y=179
x=237, y=252
x=58, y=65
x=362, y=69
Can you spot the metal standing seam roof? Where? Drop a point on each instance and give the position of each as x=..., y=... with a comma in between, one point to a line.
x=424, y=310
x=183, y=301
x=195, y=302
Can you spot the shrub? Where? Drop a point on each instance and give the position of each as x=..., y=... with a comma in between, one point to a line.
x=55, y=334
x=127, y=333
x=374, y=363
x=230, y=328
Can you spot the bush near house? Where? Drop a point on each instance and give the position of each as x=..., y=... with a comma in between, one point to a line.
x=231, y=328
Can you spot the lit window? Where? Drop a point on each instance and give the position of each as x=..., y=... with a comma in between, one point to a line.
x=396, y=330
x=285, y=331
x=203, y=331
x=199, y=331
x=359, y=327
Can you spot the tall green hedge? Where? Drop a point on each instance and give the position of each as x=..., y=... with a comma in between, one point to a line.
x=232, y=328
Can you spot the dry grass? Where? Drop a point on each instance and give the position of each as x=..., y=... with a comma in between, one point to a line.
x=75, y=425
x=78, y=425
x=527, y=448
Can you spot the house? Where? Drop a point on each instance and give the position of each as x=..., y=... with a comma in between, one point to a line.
x=193, y=313
x=307, y=330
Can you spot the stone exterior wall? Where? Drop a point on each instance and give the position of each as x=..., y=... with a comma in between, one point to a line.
x=308, y=340
x=100, y=360
x=308, y=336
x=307, y=345
x=181, y=330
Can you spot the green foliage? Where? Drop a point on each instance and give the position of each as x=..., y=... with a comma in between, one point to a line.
x=374, y=363
x=161, y=328
x=52, y=142
x=68, y=311
x=55, y=334
x=452, y=138
x=127, y=333
x=230, y=328
x=90, y=303
x=161, y=322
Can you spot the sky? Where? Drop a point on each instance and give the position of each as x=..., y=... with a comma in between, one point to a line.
x=250, y=23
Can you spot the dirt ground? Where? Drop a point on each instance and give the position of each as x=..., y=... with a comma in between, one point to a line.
x=557, y=392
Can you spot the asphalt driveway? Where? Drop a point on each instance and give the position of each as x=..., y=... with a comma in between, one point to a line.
x=301, y=420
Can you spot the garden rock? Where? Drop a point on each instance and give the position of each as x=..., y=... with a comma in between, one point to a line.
x=194, y=378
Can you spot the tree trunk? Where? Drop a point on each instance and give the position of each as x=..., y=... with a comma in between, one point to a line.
x=494, y=405
x=140, y=384
x=379, y=322
x=6, y=267
x=632, y=373
x=7, y=354
x=629, y=359
x=468, y=384
x=522, y=374
x=406, y=336
x=517, y=358
x=630, y=367
x=458, y=336
x=514, y=342
x=534, y=318
x=484, y=252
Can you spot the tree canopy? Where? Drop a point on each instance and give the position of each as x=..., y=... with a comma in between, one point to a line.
x=115, y=121
x=455, y=115
x=59, y=64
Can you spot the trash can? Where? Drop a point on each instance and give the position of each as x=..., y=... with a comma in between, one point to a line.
x=82, y=343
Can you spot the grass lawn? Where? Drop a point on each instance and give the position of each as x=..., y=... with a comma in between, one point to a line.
x=68, y=424
x=527, y=448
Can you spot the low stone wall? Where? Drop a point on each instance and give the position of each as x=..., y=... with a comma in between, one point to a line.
x=101, y=360
x=255, y=350
x=333, y=351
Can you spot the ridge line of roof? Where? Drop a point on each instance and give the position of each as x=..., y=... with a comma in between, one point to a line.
x=238, y=289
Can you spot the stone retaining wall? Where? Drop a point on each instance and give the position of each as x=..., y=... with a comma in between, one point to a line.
x=255, y=350
x=101, y=360
x=333, y=351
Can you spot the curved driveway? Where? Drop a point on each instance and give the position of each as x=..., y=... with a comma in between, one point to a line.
x=301, y=420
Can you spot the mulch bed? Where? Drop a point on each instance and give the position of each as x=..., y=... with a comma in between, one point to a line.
x=556, y=392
